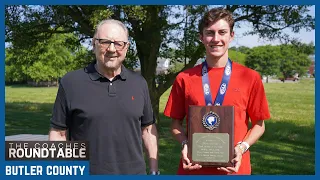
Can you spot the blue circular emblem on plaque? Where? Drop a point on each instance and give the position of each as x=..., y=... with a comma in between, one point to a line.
x=211, y=120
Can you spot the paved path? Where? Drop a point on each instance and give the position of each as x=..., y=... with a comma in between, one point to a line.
x=27, y=137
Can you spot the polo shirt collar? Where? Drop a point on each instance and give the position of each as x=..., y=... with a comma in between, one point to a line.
x=95, y=75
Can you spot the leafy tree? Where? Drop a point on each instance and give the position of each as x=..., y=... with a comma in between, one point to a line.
x=46, y=61
x=237, y=56
x=242, y=49
x=154, y=30
x=13, y=72
x=264, y=59
x=285, y=60
x=293, y=61
x=304, y=48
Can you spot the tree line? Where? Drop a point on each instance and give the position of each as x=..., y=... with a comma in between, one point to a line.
x=45, y=41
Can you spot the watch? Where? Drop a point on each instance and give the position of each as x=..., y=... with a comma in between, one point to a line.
x=155, y=172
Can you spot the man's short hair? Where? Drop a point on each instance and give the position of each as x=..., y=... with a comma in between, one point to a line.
x=214, y=15
x=111, y=21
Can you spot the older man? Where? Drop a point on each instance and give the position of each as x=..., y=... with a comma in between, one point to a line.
x=109, y=106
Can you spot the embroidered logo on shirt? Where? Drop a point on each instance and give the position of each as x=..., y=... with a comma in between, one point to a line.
x=236, y=89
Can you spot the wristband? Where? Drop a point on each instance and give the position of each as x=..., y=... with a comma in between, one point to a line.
x=247, y=146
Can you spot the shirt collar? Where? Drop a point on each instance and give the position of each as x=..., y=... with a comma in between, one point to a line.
x=95, y=75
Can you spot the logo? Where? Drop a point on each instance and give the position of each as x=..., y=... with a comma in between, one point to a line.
x=223, y=88
x=236, y=89
x=204, y=70
x=206, y=89
x=227, y=71
x=211, y=120
x=47, y=150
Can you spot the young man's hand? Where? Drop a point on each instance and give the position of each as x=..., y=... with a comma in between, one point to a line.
x=236, y=161
x=187, y=165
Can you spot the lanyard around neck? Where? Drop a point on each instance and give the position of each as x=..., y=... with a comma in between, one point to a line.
x=223, y=86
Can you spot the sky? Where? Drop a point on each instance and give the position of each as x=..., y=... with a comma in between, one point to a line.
x=252, y=41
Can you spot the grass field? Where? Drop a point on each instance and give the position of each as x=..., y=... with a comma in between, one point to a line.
x=287, y=147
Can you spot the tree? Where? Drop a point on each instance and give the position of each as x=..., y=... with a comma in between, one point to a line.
x=237, y=56
x=293, y=61
x=242, y=49
x=13, y=72
x=265, y=60
x=46, y=61
x=154, y=30
x=304, y=48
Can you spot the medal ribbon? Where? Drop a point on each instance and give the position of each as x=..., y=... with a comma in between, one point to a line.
x=223, y=86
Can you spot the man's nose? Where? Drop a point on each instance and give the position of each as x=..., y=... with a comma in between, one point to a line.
x=111, y=48
x=215, y=37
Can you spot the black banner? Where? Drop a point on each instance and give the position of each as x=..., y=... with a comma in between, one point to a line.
x=47, y=150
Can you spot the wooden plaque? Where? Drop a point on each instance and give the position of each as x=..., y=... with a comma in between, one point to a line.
x=210, y=135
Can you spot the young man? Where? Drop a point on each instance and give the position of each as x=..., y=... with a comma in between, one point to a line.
x=108, y=106
x=244, y=91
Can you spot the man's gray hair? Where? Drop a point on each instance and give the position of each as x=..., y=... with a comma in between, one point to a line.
x=111, y=21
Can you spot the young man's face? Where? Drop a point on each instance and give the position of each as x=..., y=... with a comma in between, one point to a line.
x=216, y=38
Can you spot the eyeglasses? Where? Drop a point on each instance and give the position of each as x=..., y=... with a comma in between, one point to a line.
x=119, y=45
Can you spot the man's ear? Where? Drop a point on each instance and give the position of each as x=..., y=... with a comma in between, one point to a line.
x=93, y=44
x=200, y=37
x=232, y=35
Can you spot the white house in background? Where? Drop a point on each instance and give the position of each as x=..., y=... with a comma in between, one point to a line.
x=163, y=65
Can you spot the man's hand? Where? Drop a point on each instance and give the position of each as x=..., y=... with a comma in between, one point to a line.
x=236, y=161
x=57, y=135
x=187, y=165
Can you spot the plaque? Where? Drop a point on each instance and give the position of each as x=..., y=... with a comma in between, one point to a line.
x=210, y=135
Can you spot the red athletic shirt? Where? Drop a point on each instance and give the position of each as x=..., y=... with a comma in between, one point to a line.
x=245, y=92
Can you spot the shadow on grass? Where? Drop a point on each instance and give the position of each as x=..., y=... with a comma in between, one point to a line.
x=27, y=118
x=285, y=148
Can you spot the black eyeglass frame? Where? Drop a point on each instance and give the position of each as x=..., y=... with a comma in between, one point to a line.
x=114, y=43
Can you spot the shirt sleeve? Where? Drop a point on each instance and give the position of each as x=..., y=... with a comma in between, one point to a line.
x=60, y=111
x=175, y=107
x=148, y=116
x=258, y=108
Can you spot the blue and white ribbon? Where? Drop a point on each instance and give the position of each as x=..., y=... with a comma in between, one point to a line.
x=223, y=86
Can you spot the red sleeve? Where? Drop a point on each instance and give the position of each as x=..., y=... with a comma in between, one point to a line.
x=175, y=107
x=258, y=108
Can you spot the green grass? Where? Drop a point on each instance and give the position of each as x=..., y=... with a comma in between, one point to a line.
x=287, y=147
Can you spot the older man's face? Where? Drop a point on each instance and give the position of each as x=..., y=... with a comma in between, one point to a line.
x=110, y=46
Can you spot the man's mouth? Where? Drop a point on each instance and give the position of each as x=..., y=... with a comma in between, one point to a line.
x=215, y=46
x=111, y=56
